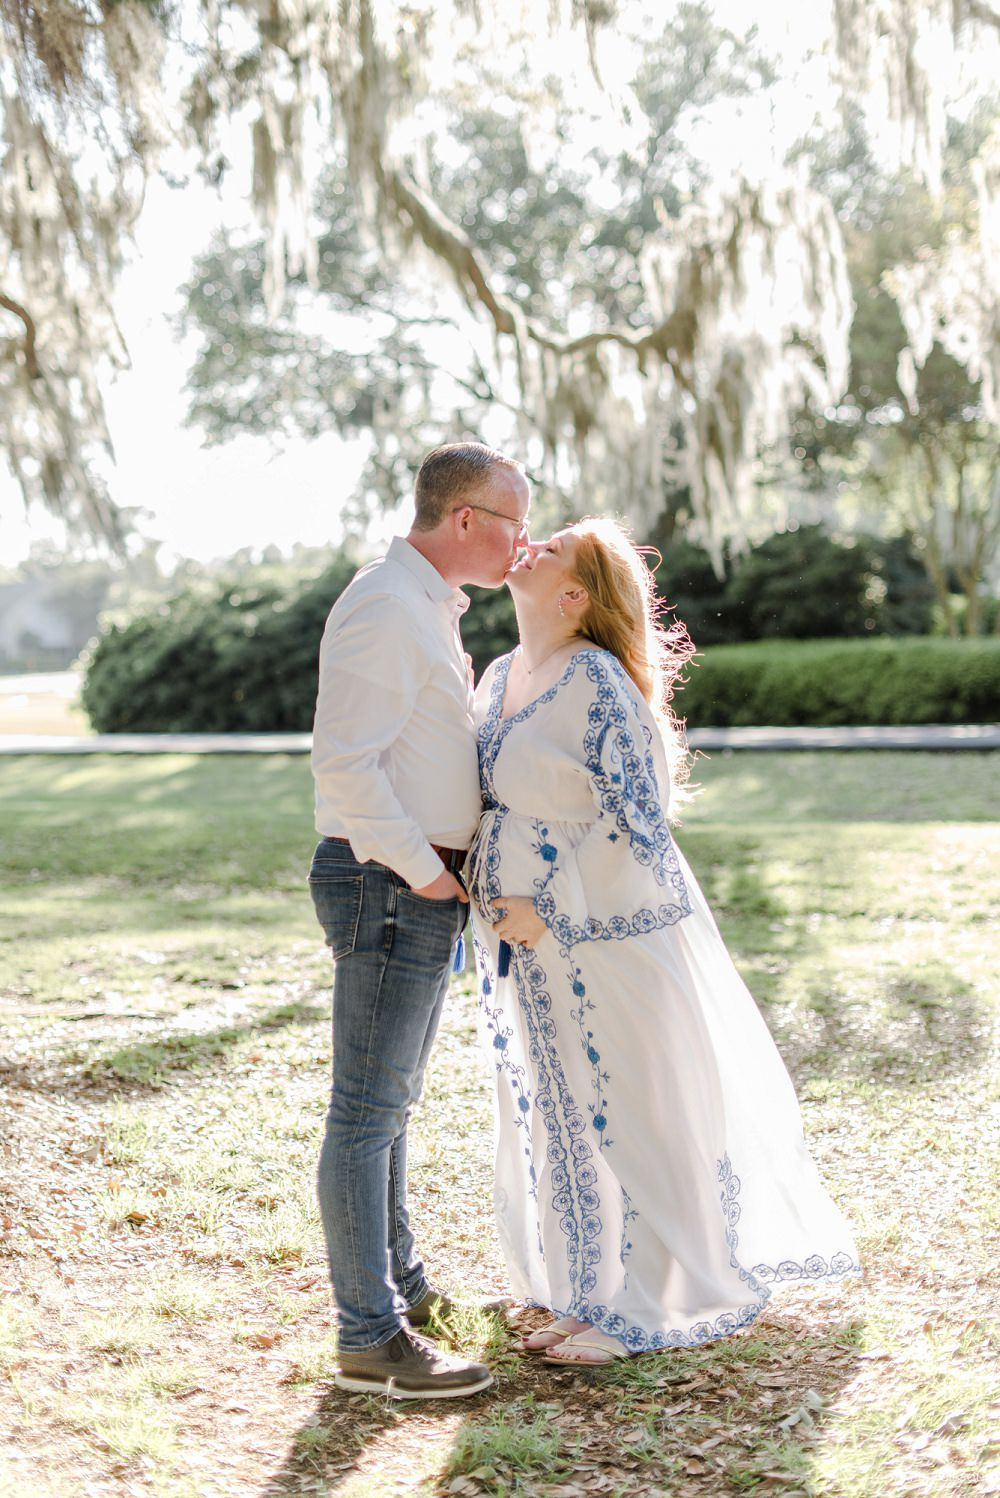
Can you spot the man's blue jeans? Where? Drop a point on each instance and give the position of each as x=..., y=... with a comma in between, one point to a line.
x=392, y=952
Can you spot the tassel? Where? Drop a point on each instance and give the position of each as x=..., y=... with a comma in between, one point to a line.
x=458, y=966
x=503, y=960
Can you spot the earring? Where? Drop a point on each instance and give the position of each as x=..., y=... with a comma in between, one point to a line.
x=562, y=607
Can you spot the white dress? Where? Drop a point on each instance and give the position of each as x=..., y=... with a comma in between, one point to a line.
x=651, y=1174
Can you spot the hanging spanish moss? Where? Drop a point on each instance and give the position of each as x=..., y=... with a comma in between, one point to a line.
x=748, y=307
x=951, y=294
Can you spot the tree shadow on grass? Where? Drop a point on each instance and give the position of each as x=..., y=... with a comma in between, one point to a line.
x=142, y=906
x=908, y=1030
x=147, y=1066
x=712, y=1420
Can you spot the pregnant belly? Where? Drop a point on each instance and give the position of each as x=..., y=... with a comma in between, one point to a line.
x=512, y=851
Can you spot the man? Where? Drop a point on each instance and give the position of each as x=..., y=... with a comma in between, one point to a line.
x=397, y=802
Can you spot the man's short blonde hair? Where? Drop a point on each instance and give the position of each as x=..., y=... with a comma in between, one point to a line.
x=454, y=473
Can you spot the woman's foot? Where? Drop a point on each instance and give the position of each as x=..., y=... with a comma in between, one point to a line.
x=551, y=1335
x=590, y=1347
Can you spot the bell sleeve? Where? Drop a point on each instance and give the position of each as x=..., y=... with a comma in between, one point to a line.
x=623, y=877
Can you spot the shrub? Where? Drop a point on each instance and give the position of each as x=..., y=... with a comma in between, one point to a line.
x=241, y=656
x=799, y=584
x=489, y=628
x=829, y=682
x=688, y=582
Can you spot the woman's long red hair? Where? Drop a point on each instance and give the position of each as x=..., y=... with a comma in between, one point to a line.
x=624, y=615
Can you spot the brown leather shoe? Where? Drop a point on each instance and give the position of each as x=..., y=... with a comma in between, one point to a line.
x=410, y=1367
x=437, y=1306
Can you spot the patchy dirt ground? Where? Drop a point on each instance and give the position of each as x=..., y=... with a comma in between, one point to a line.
x=165, y=1326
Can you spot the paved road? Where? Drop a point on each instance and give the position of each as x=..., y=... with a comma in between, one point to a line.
x=922, y=736
x=51, y=683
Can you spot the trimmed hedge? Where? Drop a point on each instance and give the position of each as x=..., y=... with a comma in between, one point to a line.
x=789, y=683
x=239, y=657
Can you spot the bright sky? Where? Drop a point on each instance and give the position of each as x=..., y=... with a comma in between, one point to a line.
x=201, y=502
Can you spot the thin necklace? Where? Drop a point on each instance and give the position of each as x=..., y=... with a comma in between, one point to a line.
x=532, y=669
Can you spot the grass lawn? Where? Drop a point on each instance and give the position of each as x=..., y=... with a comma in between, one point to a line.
x=164, y=1323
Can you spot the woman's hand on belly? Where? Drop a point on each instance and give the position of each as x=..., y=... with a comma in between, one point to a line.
x=519, y=921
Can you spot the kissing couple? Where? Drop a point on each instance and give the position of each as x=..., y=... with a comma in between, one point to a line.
x=652, y=1187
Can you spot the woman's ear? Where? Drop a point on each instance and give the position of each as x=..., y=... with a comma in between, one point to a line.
x=577, y=595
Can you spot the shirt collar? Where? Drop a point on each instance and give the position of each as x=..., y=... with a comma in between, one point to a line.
x=427, y=575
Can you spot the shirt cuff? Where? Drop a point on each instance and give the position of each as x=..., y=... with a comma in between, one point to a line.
x=421, y=870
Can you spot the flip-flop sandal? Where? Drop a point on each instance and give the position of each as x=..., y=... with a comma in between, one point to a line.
x=609, y=1355
x=552, y=1332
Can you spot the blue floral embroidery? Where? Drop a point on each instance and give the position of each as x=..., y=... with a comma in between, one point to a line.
x=547, y=852
x=502, y=1036
x=624, y=774
x=572, y=1177
x=629, y=1215
x=616, y=929
x=628, y=796
x=598, y=1108
x=638, y=1339
x=814, y=1268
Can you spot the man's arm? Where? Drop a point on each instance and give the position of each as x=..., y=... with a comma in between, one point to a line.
x=371, y=670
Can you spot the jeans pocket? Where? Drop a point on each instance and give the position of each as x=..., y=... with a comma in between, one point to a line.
x=411, y=894
x=429, y=928
x=338, y=908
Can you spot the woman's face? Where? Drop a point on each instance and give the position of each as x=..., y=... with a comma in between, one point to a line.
x=547, y=567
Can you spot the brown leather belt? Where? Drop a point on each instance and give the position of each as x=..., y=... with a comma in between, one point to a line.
x=452, y=858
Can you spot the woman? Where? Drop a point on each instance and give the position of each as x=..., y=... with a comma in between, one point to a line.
x=652, y=1184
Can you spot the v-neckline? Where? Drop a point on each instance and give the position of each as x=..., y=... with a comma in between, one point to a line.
x=549, y=691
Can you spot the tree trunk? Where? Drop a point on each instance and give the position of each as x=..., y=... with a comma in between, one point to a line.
x=930, y=554
x=971, y=577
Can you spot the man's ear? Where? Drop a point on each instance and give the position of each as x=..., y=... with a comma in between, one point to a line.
x=463, y=518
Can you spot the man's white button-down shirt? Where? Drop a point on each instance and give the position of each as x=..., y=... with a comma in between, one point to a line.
x=394, y=746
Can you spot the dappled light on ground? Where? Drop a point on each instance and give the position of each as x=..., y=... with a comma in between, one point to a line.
x=165, y=1325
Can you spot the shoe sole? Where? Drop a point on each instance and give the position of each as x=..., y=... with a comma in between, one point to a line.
x=357, y=1384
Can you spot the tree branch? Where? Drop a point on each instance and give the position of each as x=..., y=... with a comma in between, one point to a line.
x=30, y=356
x=446, y=240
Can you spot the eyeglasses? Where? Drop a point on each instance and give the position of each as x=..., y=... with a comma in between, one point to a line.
x=520, y=535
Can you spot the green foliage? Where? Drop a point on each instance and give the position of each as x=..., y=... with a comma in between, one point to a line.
x=241, y=656
x=798, y=584
x=489, y=628
x=828, y=682
x=927, y=463
x=234, y=658
x=802, y=584
x=688, y=583
x=519, y=1439
x=546, y=238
